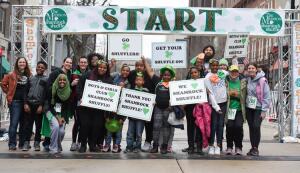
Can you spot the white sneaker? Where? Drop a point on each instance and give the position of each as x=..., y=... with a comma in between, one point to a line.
x=211, y=150
x=205, y=150
x=217, y=150
x=146, y=147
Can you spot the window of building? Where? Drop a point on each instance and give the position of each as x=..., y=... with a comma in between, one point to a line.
x=2, y=15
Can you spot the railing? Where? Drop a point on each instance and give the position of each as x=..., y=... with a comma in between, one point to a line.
x=4, y=112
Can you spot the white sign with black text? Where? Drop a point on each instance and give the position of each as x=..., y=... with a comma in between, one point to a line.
x=172, y=53
x=187, y=92
x=100, y=95
x=125, y=46
x=236, y=44
x=136, y=104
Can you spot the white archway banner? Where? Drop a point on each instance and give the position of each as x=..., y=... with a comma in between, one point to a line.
x=191, y=20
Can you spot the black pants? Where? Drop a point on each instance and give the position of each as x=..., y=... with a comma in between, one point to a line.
x=31, y=118
x=76, y=125
x=149, y=130
x=91, y=126
x=234, y=131
x=193, y=132
x=254, y=122
x=217, y=125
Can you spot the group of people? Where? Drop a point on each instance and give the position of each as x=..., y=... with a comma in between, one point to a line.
x=50, y=102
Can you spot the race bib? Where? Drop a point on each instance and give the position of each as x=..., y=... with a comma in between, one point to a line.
x=231, y=114
x=58, y=107
x=252, y=101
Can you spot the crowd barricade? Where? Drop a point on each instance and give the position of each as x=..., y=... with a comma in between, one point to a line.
x=4, y=111
x=272, y=113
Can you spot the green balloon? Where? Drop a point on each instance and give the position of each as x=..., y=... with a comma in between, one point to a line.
x=113, y=125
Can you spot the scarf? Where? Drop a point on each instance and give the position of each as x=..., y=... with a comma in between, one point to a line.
x=62, y=93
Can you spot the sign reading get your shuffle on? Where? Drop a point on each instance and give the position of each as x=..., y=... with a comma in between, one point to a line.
x=187, y=92
x=171, y=53
x=136, y=104
x=100, y=95
x=186, y=20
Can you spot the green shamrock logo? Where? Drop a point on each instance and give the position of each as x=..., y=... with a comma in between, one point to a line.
x=145, y=110
x=244, y=41
x=221, y=75
x=125, y=46
x=168, y=54
x=111, y=94
x=194, y=85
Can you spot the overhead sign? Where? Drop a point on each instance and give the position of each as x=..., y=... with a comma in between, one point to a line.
x=100, y=95
x=30, y=40
x=187, y=92
x=136, y=104
x=187, y=20
x=124, y=46
x=236, y=45
x=172, y=53
x=296, y=80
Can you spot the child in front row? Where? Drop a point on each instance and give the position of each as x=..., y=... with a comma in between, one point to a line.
x=120, y=80
x=136, y=126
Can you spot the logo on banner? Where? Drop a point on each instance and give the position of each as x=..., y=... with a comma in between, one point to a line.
x=271, y=22
x=56, y=19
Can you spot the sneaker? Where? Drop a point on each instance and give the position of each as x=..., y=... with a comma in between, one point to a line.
x=128, y=150
x=217, y=150
x=185, y=150
x=169, y=149
x=154, y=149
x=250, y=152
x=164, y=149
x=46, y=148
x=82, y=149
x=116, y=148
x=228, y=151
x=36, y=146
x=146, y=147
x=238, y=151
x=106, y=148
x=255, y=152
x=211, y=150
x=205, y=149
x=137, y=150
x=73, y=147
x=25, y=146
x=12, y=148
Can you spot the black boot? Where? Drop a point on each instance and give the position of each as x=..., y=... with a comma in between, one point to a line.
x=154, y=149
x=190, y=150
x=199, y=149
x=82, y=148
x=164, y=149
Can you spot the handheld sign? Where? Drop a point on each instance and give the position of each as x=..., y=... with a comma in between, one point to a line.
x=236, y=44
x=124, y=46
x=136, y=104
x=172, y=53
x=100, y=95
x=187, y=92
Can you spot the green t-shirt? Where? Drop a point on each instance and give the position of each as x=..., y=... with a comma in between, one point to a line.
x=235, y=101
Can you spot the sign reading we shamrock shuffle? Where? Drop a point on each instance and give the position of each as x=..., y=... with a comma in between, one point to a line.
x=185, y=20
x=100, y=95
x=136, y=104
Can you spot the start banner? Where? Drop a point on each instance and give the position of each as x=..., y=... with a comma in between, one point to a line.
x=187, y=20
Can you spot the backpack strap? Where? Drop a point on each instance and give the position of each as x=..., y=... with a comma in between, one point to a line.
x=260, y=88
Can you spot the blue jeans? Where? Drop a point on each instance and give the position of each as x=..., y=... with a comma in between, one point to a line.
x=217, y=125
x=134, y=133
x=16, y=109
x=117, y=140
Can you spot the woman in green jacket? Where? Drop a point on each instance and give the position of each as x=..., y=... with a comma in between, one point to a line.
x=236, y=114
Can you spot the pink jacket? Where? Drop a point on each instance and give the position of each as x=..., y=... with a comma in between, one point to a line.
x=202, y=114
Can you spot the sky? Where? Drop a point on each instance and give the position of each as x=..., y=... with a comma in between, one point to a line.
x=148, y=39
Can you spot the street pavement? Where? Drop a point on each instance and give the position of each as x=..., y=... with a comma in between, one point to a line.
x=274, y=157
